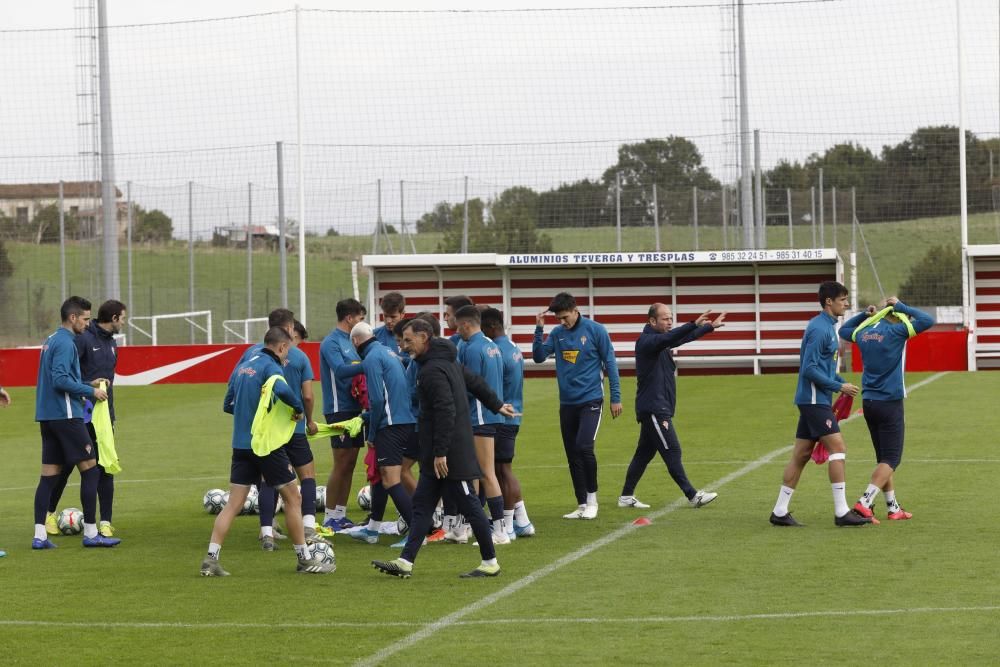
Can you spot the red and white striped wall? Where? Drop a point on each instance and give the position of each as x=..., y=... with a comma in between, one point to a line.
x=984, y=307
x=769, y=296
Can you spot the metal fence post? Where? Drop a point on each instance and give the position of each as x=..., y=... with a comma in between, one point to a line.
x=656, y=218
x=249, y=250
x=618, y=209
x=62, y=243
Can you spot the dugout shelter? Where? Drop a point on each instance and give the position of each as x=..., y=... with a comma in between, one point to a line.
x=984, y=307
x=769, y=296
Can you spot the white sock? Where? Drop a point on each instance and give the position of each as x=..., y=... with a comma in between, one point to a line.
x=490, y=563
x=840, y=507
x=267, y=531
x=498, y=527
x=508, y=520
x=890, y=501
x=214, y=549
x=90, y=530
x=40, y=533
x=869, y=498
x=784, y=497
x=592, y=498
x=374, y=526
x=309, y=521
x=338, y=512
x=403, y=560
x=521, y=513
x=448, y=522
x=302, y=551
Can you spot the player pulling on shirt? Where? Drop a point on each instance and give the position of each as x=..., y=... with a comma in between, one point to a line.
x=882, y=338
x=242, y=400
x=584, y=355
x=818, y=379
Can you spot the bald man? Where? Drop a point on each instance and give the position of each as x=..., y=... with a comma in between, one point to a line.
x=656, y=398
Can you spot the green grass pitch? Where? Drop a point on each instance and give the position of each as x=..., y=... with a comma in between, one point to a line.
x=712, y=586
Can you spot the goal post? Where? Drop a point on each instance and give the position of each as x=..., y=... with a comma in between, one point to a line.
x=149, y=325
x=244, y=331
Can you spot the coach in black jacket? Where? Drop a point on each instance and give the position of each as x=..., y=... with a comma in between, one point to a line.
x=655, y=401
x=447, y=452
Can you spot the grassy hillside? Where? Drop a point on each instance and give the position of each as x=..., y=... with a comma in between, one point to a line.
x=160, y=273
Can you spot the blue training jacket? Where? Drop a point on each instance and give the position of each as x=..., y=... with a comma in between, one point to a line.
x=98, y=357
x=338, y=364
x=243, y=393
x=412, y=370
x=385, y=336
x=297, y=369
x=584, y=355
x=481, y=356
x=818, y=377
x=389, y=395
x=59, y=389
x=656, y=386
x=513, y=376
x=883, y=351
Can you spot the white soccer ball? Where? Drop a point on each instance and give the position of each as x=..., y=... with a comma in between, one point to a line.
x=324, y=552
x=320, y=498
x=214, y=500
x=365, y=498
x=70, y=521
x=251, y=504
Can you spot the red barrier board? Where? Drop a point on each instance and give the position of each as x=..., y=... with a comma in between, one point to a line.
x=930, y=351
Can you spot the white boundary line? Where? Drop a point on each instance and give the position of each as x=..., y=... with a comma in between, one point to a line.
x=570, y=558
x=629, y=620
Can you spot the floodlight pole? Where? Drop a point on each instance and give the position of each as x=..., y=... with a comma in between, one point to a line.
x=746, y=193
x=962, y=175
x=301, y=174
x=109, y=202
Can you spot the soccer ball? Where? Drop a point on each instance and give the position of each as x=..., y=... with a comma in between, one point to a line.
x=402, y=528
x=214, y=500
x=324, y=552
x=320, y=498
x=252, y=504
x=70, y=521
x=365, y=498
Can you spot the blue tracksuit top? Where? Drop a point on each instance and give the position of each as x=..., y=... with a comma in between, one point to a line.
x=584, y=355
x=59, y=389
x=388, y=339
x=513, y=376
x=883, y=348
x=481, y=356
x=297, y=369
x=412, y=370
x=818, y=377
x=389, y=395
x=98, y=356
x=243, y=393
x=656, y=386
x=338, y=364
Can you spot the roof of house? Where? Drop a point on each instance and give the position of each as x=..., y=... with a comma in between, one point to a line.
x=73, y=189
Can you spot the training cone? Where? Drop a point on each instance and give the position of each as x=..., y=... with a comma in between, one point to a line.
x=641, y=521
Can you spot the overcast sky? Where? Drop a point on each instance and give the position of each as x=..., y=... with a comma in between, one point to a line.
x=512, y=97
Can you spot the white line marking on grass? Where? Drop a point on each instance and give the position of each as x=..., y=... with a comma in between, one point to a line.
x=570, y=558
x=119, y=480
x=628, y=620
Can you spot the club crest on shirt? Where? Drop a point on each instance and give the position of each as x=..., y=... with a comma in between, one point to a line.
x=583, y=341
x=570, y=355
x=829, y=423
x=666, y=425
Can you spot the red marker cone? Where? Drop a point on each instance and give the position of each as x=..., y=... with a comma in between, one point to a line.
x=641, y=521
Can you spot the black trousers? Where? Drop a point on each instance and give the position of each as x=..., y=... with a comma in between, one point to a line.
x=657, y=434
x=425, y=499
x=579, y=425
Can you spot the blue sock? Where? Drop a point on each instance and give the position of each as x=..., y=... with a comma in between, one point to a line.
x=266, y=503
x=106, y=495
x=308, y=496
x=379, y=500
x=401, y=499
x=496, y=508
x=42, y=495
x=88, y=493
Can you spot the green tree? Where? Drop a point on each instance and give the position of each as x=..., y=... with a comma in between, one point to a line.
x=935, y=280
x=45, y=225
x=514, y=221
x=479, y=239
x=437, y=220
x=152, y=225
x=6, y=267
x=584, y=203
x=673, y=163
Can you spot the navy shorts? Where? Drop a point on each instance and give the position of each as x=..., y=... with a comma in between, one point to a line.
x=412, y=449
x=503, y=443
x=485, y=430
x=816, y=421
x=298, y=450
x=65, y=442
x=247, y=468
x=886, y=425
x=390, y=443
x=345, y=441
